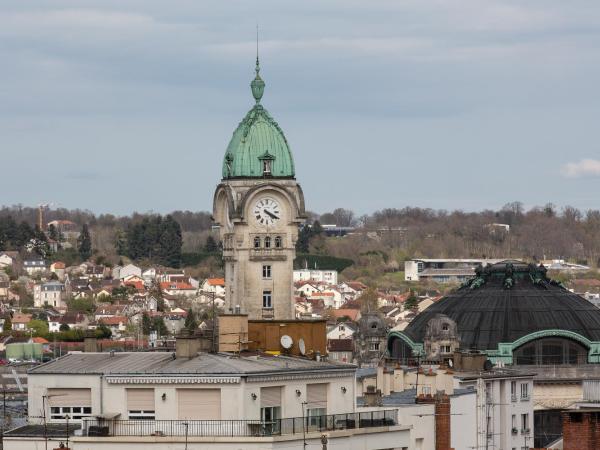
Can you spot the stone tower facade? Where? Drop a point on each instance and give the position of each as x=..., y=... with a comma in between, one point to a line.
x=259, y=206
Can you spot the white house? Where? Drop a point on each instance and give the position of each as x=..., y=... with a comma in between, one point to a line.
x=216, y=285
x=122, y=272
x=51, y=293
x=33, y=266
x=320, y=276
x=307, y=288
x=203, y=401
x=342, y=330
x=7, y=259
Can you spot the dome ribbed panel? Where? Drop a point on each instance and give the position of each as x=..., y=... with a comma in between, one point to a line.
x=256, y=135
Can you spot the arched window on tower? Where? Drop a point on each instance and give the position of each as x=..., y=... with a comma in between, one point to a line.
x=277, y=241
x=256, y=242
x=268, y=242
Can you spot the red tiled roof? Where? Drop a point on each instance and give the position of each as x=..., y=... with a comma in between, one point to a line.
x=139, y=285
x=21, y=318
x=351, y=313
x=166, y=285
x=40, y=340
x=115, y=320
x=216, y=281
x=58, y=265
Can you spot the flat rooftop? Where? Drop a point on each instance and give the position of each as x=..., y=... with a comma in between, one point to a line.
x=209, y=364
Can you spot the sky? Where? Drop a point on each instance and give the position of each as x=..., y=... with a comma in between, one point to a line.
x=128, y=105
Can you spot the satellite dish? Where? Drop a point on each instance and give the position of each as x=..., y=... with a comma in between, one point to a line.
x=302, y=347
x=286, y=342
x=450, y=363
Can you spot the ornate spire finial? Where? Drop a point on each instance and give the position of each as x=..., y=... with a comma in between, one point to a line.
x=257, y=85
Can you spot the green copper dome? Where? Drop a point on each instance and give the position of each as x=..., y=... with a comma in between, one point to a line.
x=258, y=147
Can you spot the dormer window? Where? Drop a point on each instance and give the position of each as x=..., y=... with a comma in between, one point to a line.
x=266, y=167
x=266, y=160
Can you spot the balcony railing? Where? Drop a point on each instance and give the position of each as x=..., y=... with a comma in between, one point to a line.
x=237, y=428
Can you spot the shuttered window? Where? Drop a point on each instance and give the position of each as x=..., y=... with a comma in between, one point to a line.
x=140, y=403
x=199, y=404
x=316, y=395
x=70, y=397
x=270, y=397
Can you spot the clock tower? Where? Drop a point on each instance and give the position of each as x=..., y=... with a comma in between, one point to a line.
x=258, y=206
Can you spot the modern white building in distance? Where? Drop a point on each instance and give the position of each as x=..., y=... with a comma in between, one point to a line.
x=320, y=276
x=443, y=270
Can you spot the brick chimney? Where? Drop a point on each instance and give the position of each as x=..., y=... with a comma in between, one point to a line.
x=442, y=422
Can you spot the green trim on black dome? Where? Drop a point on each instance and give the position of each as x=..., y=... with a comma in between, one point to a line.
x=257, y=138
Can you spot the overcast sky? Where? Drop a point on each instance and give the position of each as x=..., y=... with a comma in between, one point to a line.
x=120, y=106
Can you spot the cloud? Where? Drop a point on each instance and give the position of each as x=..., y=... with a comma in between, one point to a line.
x=583, y=168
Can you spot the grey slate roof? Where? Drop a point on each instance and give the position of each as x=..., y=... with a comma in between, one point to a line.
x=492, y=313
x=148, y=363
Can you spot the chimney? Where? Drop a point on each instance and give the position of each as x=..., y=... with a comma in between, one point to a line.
x=187, y=345
x=90, y=342
x=372, y=396
x=233, y=332
x=442, y=422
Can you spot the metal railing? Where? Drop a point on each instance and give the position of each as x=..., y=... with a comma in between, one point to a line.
x=236, y=428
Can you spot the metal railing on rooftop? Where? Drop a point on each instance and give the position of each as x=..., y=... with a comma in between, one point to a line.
x=238, y=428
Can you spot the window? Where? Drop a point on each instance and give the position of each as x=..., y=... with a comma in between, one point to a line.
x=266, y=166
x=316, y=410
x=445, y=327
x=74, y=412
x=525, y=423
x=267, y=299
x=445, y=349
x=140, y=415
x=525, y=391
x=270, y=408
x=268, y=242
x=277, y=241
x=513, y=422
x=342, y=327
x=374, y=346
x=513, y=391
x=266, y=270
x=256, y=242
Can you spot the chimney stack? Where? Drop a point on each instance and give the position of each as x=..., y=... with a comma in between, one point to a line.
x=90, y=342
x=187, y=345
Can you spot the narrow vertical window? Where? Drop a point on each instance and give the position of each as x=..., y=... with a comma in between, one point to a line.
x=268, y=242
x=256, y=242
x=266, y=271
x=266, y=167
x=277, y=241
x=267, y=299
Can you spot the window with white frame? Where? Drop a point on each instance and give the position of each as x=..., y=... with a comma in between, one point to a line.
x=267, y=299
x=266, y=271
x=525, y=423
x=374, y=346
x=140, y=404
x=524, y=390
x=72, y=412
x=513, y=390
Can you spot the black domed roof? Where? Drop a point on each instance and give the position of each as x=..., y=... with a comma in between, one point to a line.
x=507, y=301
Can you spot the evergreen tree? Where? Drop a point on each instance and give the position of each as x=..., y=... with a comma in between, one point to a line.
x=159, y=326
x=146, y=324
x=170, y=243
x=211, y=245
x=412, y=302
x=303, y=242
x=38, y=243
x=316, y=228
x=7, y=323
x=84, y=243
x=121, y=242
x=191, y=323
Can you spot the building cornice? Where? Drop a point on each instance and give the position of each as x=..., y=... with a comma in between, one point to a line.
x=300, y=376
x=171, y=380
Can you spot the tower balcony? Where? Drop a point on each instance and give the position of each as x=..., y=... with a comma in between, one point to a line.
x=268, y=254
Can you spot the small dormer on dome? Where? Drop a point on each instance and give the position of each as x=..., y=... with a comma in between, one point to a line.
x=258, y=147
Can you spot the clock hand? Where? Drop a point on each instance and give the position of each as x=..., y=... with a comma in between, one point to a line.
x=269, y=213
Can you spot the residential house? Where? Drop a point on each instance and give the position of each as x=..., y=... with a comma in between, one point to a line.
x=340, y=350
x=74, y=320
x=20, y=321
x=58, y=268
x=122, y=272
x=107, y=310
x=348, y=313
x=178, y=289
x=117, y=324
x=307, y=288
x=32, y=266
x=342, y=330
x=214, y=285
x=51, y=293
x=8, y=259
x=4, y=286
x=322, y=276
x=68, y=229
x=352, y=289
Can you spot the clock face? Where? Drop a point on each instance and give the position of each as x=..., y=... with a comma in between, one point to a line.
x=267, y=211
